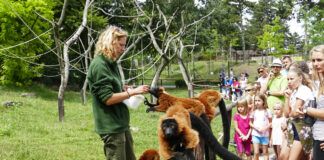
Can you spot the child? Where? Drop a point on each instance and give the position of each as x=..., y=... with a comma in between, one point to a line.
x=277, y=133
x=249, y=95
x=236, y=89
x=242, y=135
x=260, y=123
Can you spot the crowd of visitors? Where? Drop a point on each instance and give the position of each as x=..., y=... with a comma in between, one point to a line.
x=231, y=86
x=284, y=108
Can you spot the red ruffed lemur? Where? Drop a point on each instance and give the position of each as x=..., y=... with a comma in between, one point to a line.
x=203, y=106
x=176, y=135
x=153, y=154
x=178, y=132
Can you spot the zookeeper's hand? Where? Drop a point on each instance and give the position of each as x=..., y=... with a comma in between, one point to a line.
x=139, y=90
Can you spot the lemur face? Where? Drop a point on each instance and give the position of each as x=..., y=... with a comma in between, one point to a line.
x=156, y=92
x=169, y=127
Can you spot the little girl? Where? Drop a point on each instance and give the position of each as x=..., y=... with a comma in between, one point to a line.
x=242, y=135
x=260, y=123
x=249, y=95
x=277, y=133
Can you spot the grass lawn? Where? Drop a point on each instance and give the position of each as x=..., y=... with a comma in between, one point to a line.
x=32, y=130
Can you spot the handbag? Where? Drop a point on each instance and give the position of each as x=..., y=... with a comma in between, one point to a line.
x=309, y=120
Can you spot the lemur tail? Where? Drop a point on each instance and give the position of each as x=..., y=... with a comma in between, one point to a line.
x=226, y=124
x=206, y=133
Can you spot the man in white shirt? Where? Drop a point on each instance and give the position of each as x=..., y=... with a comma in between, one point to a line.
x=286, y=62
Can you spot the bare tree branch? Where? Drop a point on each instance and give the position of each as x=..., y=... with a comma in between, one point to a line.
x=167, y=24
x=52, y=23
x=59, y=23
x=119, y=16
x=199, y=20
x=124, y=54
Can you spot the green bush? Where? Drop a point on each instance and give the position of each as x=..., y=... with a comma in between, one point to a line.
x=180, y=83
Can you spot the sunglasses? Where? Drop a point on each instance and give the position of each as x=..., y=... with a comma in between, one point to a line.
x=248, y=90
x=260, y=71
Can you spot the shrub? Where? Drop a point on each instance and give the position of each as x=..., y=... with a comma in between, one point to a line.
x=180, y=83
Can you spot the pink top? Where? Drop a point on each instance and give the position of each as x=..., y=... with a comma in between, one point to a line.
x=236, y=84
x=244, y=127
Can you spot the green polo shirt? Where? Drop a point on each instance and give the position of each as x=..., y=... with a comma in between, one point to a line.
x=274, y=85
x=104, y=80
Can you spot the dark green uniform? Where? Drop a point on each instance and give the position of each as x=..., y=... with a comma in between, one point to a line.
x=110, y=121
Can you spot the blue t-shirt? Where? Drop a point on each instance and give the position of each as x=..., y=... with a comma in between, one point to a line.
x=228, y=82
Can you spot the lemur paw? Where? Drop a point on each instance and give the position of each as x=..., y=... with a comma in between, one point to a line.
x=150, y=109
x=146, y=102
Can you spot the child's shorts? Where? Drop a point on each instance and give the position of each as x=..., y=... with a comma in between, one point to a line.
x=262, y=140
x=244, y=145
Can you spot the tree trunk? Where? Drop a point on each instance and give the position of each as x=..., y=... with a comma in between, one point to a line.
x=157, y=75
x=61, y=62
x=306, y=44
x=65, y=72
x=85, y=83
x=236, y=57
x=186, y=77
x=262, y=57
x=230, y=50
x=159, y=70
x=266, y=59
x=243, y=42
x=64, y=81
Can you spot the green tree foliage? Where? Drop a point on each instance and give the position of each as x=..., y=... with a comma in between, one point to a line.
x=316, y=27
x=272, y=38
x=73, y=18
x=264, y=12
x=15, y=70
x=219, y=29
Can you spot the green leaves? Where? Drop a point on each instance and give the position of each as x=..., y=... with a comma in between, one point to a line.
x=272, y=37
x=19, y=24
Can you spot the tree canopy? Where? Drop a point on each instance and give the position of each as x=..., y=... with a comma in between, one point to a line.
x=27, y=48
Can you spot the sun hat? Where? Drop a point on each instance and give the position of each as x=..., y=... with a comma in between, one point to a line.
x=276, y=62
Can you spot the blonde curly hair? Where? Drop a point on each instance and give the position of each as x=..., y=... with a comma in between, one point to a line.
x=106, y=41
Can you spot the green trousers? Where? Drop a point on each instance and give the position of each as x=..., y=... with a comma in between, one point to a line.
x=118, y=146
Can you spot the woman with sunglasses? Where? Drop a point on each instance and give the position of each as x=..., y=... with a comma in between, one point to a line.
x=263, y=74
